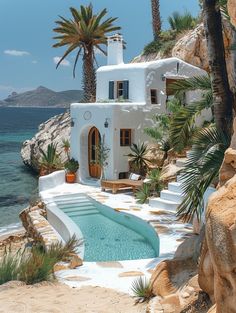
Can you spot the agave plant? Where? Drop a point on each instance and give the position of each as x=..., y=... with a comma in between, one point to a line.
x=202, y=167
x=141, y=288
x=50, y=161
x=66, y=147
x=155, y=183
x=143, y=193
x=138, y=159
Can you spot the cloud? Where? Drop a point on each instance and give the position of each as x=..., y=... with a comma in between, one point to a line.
x=63, y=63
x=16, y=53
x=34, y=62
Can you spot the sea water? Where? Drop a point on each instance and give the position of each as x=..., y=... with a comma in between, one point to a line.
x=17, y=183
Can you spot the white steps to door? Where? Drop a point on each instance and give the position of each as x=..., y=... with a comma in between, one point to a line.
x=175, y=187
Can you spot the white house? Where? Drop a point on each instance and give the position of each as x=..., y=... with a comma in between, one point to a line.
x=128, y=95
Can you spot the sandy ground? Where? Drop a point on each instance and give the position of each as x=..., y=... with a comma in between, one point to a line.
x=57, y=298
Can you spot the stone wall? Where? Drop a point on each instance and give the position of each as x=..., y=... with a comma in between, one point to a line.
x=36, y=225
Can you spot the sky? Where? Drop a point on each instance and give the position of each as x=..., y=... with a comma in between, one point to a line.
x=27, y=58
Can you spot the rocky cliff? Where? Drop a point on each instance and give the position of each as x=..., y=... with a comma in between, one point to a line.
x=43, y=97
x=54, y=130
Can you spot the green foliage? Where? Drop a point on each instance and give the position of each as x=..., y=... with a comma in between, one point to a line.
x=36, y=264
x=50, y=160
x=143, y=193
x=102, y=155
x=152, y=47
x=182, y=125
x=61, y=252
x=141, y=287
x=160, y=127
x=164, y=44
x=138, y=159
x=155, y=183
x=209, y=145
x=72, y=166
x=8, y=268
x=36, y=267
x=180, y=22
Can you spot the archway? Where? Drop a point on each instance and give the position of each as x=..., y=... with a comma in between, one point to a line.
x=94, y=139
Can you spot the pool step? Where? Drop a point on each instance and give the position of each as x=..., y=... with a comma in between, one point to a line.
x=83, y=213
x=76, y=209
x=71, y=200
x=74, y=205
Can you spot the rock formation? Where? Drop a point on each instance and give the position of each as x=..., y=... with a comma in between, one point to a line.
x=54, y=130
x=232, y=11
x=217, y=269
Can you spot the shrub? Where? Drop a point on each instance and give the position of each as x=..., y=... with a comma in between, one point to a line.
x=72, y=166
x=143, y=194
x=142, y=290
x=8, y=268
x=35, y=265
x=152, y=47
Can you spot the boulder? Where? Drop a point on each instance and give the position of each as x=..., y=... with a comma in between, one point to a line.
x=232, y=11
x=217, y=265
x=54, y=130
x=228, y=167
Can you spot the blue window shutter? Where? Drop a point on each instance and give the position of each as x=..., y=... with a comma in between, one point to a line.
x=111, y=89
x=126, y=89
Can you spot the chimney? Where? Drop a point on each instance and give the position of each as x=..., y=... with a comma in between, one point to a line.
x=115, y=50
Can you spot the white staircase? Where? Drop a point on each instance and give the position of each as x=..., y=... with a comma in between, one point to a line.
x=169, y=198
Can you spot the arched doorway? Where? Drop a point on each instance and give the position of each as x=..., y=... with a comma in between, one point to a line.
x=94, y=139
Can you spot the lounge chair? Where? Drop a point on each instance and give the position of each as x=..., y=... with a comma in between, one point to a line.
x=115, y=185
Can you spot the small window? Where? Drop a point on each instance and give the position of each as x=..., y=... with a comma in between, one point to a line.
x=125, y=137
x=120, y=89
x=153, y=96
x=123, y=175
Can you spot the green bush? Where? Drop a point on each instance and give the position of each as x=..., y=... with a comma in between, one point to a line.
x=8, y=268
x=72, y=166
x=142, y=290
x=152, y=47
x=37, y=264
x=143, y=194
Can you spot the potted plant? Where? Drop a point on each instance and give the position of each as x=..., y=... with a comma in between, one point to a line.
x=71, y=167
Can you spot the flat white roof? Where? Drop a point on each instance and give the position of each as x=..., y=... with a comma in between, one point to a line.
x=145, y=65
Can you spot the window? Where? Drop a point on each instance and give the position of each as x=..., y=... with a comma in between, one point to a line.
x=123, y=175
x=120, y=89
x=125, y=137
x=153, y=96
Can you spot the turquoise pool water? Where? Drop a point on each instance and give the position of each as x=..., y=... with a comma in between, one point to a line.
x=108, y=240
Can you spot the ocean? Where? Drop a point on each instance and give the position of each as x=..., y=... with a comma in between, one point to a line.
x=17, y=183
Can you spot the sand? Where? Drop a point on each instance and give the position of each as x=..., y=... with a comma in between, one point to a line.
x=58, y=298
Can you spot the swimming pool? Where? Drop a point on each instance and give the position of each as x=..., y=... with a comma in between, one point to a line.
x=110, y=235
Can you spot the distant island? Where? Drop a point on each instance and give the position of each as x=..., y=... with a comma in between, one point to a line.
x=42, y=97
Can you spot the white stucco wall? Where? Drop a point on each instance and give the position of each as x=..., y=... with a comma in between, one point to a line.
x=131, y=116
x=145, y=76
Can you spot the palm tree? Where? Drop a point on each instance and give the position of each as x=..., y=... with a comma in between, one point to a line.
x=180, y=22
x=83, y=33
x=222, y=96
x=156, y=18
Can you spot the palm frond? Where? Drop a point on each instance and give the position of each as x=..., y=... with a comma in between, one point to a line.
x=202, y=168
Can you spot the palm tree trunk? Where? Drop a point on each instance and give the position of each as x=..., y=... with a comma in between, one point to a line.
x=89, y=76
x=222, y=95
x=156, y=18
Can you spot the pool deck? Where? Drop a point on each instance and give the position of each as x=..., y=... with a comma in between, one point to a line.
x=119, y=275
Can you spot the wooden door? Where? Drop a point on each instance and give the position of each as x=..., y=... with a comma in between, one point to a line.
x=94, y=140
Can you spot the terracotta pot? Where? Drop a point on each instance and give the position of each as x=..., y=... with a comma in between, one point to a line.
x=70, y=178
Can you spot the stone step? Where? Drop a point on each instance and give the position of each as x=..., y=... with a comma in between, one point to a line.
x=175, y=187
x=172, y=196
x=163, y=204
